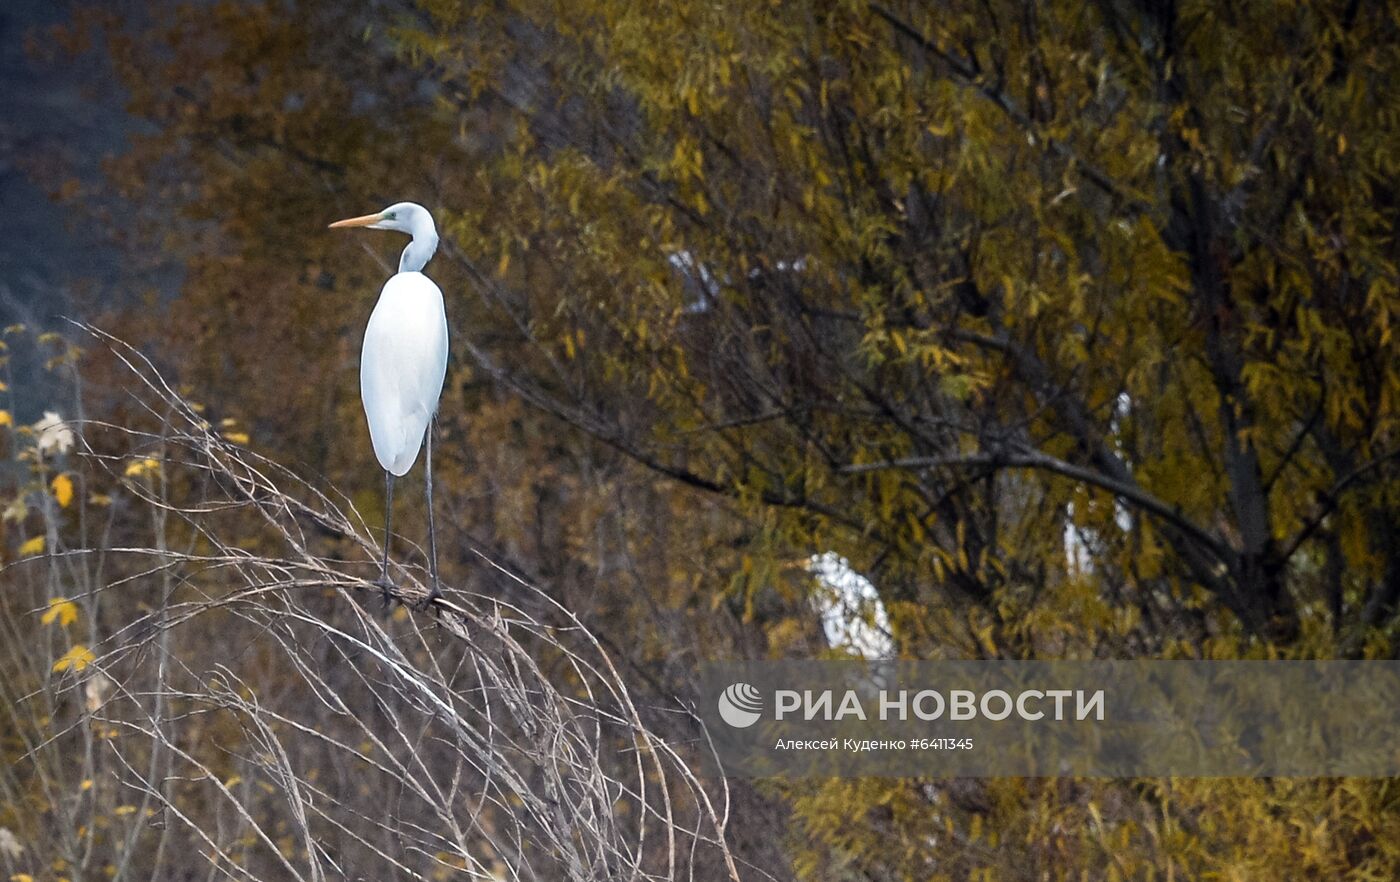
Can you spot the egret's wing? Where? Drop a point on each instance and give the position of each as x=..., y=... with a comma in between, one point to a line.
x=402, y=366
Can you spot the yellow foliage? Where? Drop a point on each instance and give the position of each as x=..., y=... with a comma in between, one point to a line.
x=76, y=658
x=6, y=419
x=1140, y=269
x=63, y=490
x=32, y=546
x=16, y=511
x=142, y=467
x=62, y=610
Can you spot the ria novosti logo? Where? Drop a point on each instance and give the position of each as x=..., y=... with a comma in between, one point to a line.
x=740, y=705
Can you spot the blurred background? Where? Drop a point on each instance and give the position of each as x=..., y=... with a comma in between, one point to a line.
x=991, y=330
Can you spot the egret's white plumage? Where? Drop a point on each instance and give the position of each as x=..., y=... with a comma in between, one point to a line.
x=402, y=366
x=403, y=362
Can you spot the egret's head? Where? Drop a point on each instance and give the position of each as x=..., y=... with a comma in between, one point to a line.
x=402, y=217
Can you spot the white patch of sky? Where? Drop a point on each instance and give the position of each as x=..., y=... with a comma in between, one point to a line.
x=1079, y=540
x=1077, y=551
x=703, y=287
x=853, y=618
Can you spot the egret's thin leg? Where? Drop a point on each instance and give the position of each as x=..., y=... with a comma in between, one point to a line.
x=432, y=529
x=384, y=583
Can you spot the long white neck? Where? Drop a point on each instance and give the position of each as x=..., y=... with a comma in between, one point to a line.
x=424, y=244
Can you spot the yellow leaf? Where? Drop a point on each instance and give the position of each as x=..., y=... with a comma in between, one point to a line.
x=141, y=467
x=21, y=877
x=63, y=490
x=122, y=810
x=87, y=784
x=61, y=609
x=237, y=437
x=32, y=546
x=16, y=511
x=76, y=658
x=6, y=419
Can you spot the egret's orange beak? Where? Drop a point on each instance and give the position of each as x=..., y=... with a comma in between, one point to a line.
x=364, y=221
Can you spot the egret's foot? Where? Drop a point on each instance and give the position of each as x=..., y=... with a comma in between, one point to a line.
x=427, y=602
x=386, y=588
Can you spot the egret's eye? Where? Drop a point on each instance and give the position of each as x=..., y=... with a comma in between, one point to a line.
x=388, y=215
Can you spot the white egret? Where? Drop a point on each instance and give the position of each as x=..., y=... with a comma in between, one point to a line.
x=403, y=363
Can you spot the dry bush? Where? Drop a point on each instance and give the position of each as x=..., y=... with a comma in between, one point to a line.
x=241, y=708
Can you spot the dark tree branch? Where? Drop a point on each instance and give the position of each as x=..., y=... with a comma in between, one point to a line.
x=1030, y=459
x=598, y=429
x=1331, y=498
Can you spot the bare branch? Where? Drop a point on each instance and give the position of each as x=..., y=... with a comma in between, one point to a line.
x=1030, y=459
x=489, y=737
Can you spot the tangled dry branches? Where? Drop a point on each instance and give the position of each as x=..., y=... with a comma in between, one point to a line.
x=261, y=711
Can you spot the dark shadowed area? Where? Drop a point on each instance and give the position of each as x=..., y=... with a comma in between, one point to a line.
x=55, y=114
